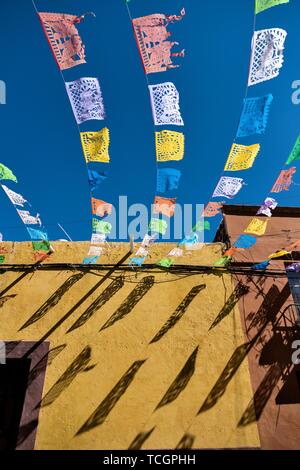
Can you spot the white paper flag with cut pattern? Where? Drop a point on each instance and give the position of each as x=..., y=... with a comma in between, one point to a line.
x=98, y=238
x=86, y=99
x=228, y=187
x=29, y=219
x=165, y=104
x=95, y=251
x=176, y=252
x=267, y=55
x=142, y=252
x=16, y=199
x=148, y=240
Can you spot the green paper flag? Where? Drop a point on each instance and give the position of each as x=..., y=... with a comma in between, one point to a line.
x=165, y=262
x=99, y=226
x=42, y=245
x=158, y=225
x=223, y=261
x=6, y=173
x=261, y=5
x=295, y=153
x=201, y=225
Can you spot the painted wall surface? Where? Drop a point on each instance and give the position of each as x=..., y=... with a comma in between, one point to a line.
x=269, y=317
x=149, y=359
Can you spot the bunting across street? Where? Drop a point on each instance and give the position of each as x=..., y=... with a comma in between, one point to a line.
x=40, y=243
x=86, y=99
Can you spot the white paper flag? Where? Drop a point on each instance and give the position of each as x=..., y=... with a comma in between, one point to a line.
x=16, y=199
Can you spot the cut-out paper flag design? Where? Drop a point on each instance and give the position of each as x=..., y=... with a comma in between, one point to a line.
x=100, y=226
x=295, y=153
x=255, y=115
x=245, y=241
x=167, y=179
x=278, y=254
x=223, y=262
x=176, y=252
x=284, y=180
x=6, y=173
x=201, y=225
x=90, y=260
x=241, y=157
x=148, y=240
x=257, y=227
x=212, y=209
x=136, y=261
x=95, y=145
x=142, y=252
x=169, y=146
x=261, y=5
x=40, y=255
x=15, y=198
x=152, y=39
x=37, y=234
x=98, y=238
x=233, y=251
x=294, y=267
x=101, y=208
x=42, y=245
x=86, y=99
x=165, y=104
x=267, y=207
x=228, y=187
x=95, y=178
x=261, y=266
x=190, y=240
x=64, y=39
x=266, y=55
x=165, y=263
x=95, y=251
x=29, y=219
x=165, y=206
x=158, y=226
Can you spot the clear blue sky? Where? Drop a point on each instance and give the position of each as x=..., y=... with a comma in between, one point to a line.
x=39, y=137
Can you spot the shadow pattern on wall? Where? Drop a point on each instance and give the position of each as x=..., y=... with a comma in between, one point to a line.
x=239, y=291
x=181, y=381
x=4, y=299
x=186, y=442
x=179, y=312
x=140, y=439
x=268, y=310
x=106, y=406
x=131, y=301
x=101, y=300
x=80, y=364
x=53, y=300
x=45, y=361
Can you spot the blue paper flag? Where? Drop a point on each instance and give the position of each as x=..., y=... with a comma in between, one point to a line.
x=90, y=260
x=95, y=178
x=245, y=241
x=37, y=234
x=167, y=179
x=262, y=265
x=136, y=261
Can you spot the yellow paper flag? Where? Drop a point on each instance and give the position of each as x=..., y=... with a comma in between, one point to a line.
x=95, y=145
x=277, y=254
x=257, y=227
x=169, y=146
x=241, y=157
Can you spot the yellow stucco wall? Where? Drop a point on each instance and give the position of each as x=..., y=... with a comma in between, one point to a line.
x=116, y=348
